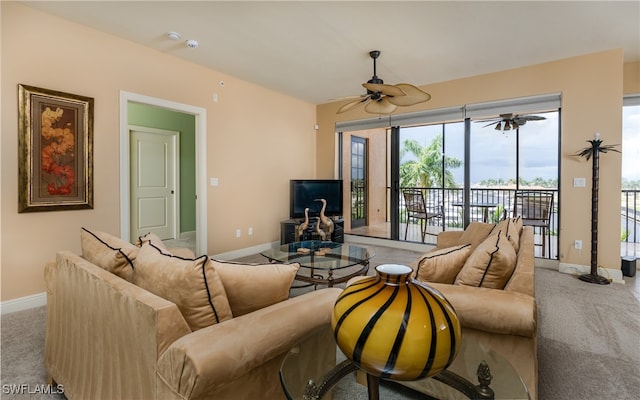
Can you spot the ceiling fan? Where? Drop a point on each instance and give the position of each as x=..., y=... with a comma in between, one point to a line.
x=382, y=98
x=510, y=121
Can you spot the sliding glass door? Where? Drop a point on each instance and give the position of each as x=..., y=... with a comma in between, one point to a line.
x=466, y=169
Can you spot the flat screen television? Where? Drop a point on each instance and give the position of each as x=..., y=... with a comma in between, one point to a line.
x=305, y=192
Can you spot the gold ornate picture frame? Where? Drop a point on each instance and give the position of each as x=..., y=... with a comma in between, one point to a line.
x=55, y=150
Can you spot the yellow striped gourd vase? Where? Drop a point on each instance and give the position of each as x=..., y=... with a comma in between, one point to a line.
x=394, y=327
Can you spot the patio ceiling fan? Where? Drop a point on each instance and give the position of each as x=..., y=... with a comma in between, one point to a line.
x=382, y=98
x=510, y=121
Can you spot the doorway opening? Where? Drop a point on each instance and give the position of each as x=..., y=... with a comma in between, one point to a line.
x=199, y=155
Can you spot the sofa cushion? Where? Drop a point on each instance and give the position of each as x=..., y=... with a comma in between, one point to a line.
x=250, y=287
x=442, y=265
x=192, y=284
x=108, y=252
x=475, y=233
x=490, y=264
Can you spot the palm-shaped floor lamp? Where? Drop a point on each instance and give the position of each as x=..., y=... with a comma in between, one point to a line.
x=594, y=151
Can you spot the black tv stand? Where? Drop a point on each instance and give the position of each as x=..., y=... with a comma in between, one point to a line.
x=288, y=230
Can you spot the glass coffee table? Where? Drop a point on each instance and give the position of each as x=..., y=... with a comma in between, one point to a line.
x=476, y=373
x=321, y=262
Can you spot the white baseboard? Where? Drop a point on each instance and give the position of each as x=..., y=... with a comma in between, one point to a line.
x=575, y=269
x=230, y=255
x=23, y=303
x=187, y=235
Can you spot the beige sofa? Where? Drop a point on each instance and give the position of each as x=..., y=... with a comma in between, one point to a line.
x=107, y=338
x=504, y=320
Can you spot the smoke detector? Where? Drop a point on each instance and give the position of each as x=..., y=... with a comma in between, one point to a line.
x=192, y=44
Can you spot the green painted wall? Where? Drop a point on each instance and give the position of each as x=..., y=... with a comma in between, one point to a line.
x=154, y=117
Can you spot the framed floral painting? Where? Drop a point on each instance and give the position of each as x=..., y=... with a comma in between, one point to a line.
x=55, y=150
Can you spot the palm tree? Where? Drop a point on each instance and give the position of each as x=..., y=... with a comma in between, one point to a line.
x=426, y=171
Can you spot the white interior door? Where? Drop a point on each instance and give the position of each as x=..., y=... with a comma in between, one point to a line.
x=154, y=186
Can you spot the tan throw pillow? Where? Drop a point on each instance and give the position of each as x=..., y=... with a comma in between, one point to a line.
x=250, y=287
x=475, y=233
x=511, y=232
x=153, y=238
x=108, y=252
x=490, y=265
x=442, y=265
x=517, y=221
x=192, y=284
x=183, y=252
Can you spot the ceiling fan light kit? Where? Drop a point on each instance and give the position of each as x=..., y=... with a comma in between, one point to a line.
x=383, y=98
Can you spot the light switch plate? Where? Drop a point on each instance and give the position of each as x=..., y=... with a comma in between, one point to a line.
x=579, y=182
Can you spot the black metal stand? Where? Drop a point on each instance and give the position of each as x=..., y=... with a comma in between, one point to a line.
x=482, y=391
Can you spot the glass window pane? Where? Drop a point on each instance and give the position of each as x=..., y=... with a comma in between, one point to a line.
x=493, y=156
x=630, y=147
x=539, y=153
x=454, y=155
x=421, y=156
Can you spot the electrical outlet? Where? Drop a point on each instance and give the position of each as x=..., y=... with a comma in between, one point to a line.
x=577, y=244
x=250, y=231
x=238, y=232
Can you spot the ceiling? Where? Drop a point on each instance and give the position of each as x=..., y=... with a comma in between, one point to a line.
x=318, y=51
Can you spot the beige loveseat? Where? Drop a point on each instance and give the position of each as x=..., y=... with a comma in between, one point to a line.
x=503, y=319
x=108, y=338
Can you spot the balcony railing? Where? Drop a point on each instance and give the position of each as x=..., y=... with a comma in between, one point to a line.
x=630, y=216
x=491, y=206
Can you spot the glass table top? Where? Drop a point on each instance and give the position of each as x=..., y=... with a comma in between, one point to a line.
x=319, y=255
x=505, y=381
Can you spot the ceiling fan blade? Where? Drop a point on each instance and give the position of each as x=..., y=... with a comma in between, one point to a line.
x=341, y=98
x=352, y=104
x=381, y=106
x=385, y=89
x=413, y=95
x=531, y=118
x=488, y=120
x=490, y=123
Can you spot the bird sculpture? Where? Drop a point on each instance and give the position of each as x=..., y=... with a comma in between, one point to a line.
x=304, y=225
x=325, y=222
x=319, y=230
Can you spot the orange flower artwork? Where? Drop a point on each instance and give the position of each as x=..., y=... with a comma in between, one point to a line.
x=55, y=150
x=57, y=154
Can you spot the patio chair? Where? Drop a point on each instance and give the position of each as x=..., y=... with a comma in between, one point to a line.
x=535, y=209
x=416, y=209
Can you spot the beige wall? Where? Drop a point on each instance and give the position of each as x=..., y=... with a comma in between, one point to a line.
x=257, y=139
x=592, y=91
x=632, y=78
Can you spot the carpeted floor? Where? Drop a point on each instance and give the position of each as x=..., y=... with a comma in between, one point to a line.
x=588, y=338
x=588, y=341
